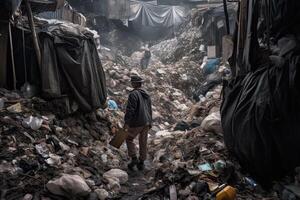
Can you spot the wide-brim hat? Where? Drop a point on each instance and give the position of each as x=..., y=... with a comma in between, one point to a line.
x=136, y=79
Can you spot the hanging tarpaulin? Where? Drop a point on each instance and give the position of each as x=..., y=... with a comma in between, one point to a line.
x=15, y=5
x=151, y=14
x=8, y=7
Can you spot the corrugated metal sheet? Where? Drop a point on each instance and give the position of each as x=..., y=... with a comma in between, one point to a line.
x=112, y=9
x=66, y=13
x=46, y=5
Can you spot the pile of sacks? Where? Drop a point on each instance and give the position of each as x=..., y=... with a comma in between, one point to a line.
x=44, y=155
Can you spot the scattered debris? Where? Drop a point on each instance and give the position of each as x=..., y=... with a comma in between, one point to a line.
x=69, y=186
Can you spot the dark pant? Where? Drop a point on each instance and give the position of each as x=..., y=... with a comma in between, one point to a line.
x=145, y=63
x=143, y=136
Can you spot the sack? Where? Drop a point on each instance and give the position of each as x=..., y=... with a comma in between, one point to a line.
x=260, y=117
x=119, y=138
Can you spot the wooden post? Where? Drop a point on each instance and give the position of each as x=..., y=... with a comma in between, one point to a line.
x=226, y=17
x=34, y=35
x=12, y=56
x=24, y=55
x=4, y=38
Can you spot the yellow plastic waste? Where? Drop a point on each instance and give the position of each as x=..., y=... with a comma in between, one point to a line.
x=228, y=193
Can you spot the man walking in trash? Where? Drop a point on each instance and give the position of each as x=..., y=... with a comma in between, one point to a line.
x=146, y=57
x=138, y=121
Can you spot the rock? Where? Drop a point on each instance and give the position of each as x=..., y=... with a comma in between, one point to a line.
x=84, y=150
x=192, y=198
x=69, y=186
x=64, y=147
x=119, y=174
x=113, y=184
x=28, y=197
x=102, y=194
x=212, y=123
x=93, y=196
x=184, y=193
x=90, y=182
x=115, y=162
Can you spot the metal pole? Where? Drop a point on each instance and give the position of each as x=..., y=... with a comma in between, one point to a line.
x=12, y=56
x=24, y=55
x=226, y=16
x=34, y=35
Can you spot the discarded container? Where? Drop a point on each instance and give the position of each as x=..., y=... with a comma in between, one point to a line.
x=228, y=193
x=205, y=167
x=219, y=165
x=250, y=182
x=119, y=138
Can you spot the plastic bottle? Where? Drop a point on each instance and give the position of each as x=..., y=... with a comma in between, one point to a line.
x=250, y=182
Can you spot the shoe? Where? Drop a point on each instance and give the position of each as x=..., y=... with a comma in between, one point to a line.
x=134, y=162
x=140, y=165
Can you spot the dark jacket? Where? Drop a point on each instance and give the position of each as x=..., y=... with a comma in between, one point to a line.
x=138, y=110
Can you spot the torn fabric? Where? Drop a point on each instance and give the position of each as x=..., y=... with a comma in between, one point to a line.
x=150, y=14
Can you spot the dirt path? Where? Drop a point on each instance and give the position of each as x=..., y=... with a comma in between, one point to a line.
x=138, y=183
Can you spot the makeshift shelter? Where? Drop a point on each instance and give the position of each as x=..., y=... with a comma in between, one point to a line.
x=66, y=13
x=70, y=65
x=214, y=25
x=151, y=20
x=111, y=9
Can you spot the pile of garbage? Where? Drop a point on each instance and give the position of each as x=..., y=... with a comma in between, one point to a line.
x=169, y=103
x=194, y=163
x=44, y=155
x=173, y=87
x=188, y=42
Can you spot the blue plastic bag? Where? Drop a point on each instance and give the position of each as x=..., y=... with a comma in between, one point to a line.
x=112, y=105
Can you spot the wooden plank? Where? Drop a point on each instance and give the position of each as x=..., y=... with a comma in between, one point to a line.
x=3, y=53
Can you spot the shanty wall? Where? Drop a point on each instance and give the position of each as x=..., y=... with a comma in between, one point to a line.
x=65, y=13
